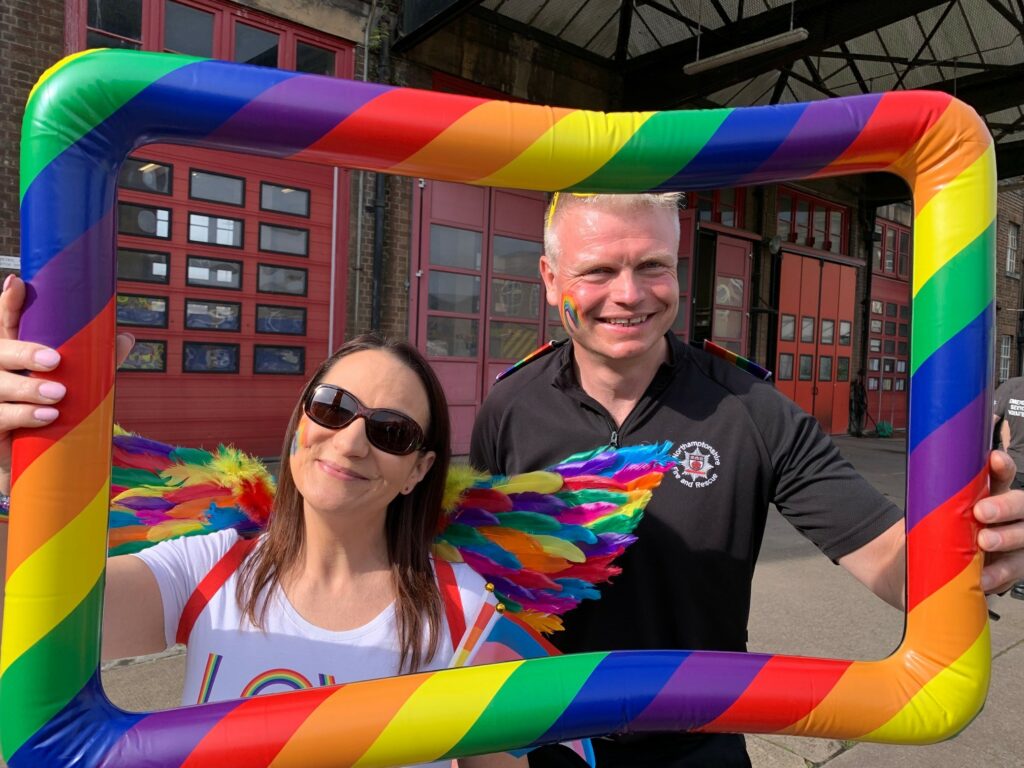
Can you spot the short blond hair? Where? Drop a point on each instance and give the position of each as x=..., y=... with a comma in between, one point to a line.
x=563, y=201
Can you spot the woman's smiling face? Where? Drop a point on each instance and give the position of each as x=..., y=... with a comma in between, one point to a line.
x=336, y=470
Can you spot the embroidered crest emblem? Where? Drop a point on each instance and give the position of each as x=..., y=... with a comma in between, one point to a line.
x=697, y=466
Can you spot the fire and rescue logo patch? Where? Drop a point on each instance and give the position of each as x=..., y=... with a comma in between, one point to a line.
x=697, y=466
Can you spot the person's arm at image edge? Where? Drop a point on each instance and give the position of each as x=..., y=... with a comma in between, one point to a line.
x=881, y=563
x=133, y=610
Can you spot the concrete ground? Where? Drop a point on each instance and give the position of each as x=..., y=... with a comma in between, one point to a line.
x=802, y=605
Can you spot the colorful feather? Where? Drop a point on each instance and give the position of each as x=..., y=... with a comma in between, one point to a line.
x=544, y=540
x=160, y=491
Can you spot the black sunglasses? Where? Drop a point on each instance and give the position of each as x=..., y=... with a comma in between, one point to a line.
x=390, y=431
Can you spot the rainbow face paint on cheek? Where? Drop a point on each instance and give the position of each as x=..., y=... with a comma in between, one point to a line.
x=297, y=437
x=570, y=313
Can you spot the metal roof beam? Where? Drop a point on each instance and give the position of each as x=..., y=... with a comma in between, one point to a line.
x=986, y=91
x=828, y=23
x=851, y=56
x=1007, y=14
x=625, y=28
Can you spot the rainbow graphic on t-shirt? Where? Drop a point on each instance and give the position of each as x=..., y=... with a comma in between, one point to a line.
x=286, y=677
x=209, y=675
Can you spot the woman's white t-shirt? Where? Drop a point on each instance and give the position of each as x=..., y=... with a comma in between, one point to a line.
x=229, y=658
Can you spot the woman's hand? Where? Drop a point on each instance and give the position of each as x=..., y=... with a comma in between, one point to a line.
x=27, y=402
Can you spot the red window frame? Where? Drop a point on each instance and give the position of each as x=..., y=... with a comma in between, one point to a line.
x=830, y=241
x=225, y=19
x=718, y=203
x=899, y=236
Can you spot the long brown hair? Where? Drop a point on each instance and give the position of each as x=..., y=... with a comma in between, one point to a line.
x=412, y=519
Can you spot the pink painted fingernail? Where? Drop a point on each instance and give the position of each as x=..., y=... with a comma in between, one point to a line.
x=46, y=357
x=45, y=415
x=7, y=281
x=52, y=390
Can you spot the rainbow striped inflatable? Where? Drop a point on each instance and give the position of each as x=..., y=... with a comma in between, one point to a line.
x=89, y=111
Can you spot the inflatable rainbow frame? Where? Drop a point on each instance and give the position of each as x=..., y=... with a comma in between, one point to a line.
x=89, y=111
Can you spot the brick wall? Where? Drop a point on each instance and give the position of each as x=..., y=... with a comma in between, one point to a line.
x=1008, y=285
x=31, y=40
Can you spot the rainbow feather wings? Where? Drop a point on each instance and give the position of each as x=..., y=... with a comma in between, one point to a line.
x=160, y=491
x=543, y=539
x=546, y=539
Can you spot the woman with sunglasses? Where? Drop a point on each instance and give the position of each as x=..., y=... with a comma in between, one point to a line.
x=341, y=587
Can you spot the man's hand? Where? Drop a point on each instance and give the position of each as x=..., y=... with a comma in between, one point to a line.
x=1002, y=535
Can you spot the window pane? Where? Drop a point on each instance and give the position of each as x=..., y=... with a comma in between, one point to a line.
x=286, y=360
x=144, y=266
x=146, y=356
x=904, y=252
x=729, y=291
x=215, y=230
x=875, y=345
x=824, y=368
x=290, y=320
x=281, y=280
x=888, y=365
x=785, y=367
x=901, y=366
x=901, y=348
x=890, y=249
x=95, y=39
x=450, y=292
x=142, y=310
x=904, y=311
x=787, y=328
x=828, y=329
x=876, y=307
x=876, y=326
x=143, y=220
x=516, y=257
x=284, y=240
x=557, y=332
x=872, y=383
x=452, y=337
x=807, y=329
x=890, y=327
x=903, y=329
x=874, y=364
x=119, y=17
x=889, y=347
x=213, y=315
x=901, y=385
x=187, y=30
x=275, y=197
x=204, y=185
x=802, y=223
x=209, y=358
x=835, y=234
x=145, y=176
x=515, y=298
x=255, y=46
x=890, y=310
x=876, y=248
x=843, y=369
x=451, y=247
x=214, y=273
x=313, y=59
x=683, y=273
x=785, y=215
x=728, y=324
x=820, y=226
x=886, y=384
x=844, y=332
x=512, y=341
x=806, y=367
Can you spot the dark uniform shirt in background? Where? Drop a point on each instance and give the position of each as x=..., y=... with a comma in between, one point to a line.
x=686, y=583
x=1009, y=407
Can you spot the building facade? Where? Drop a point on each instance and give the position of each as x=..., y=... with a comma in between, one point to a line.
x=238, y=275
